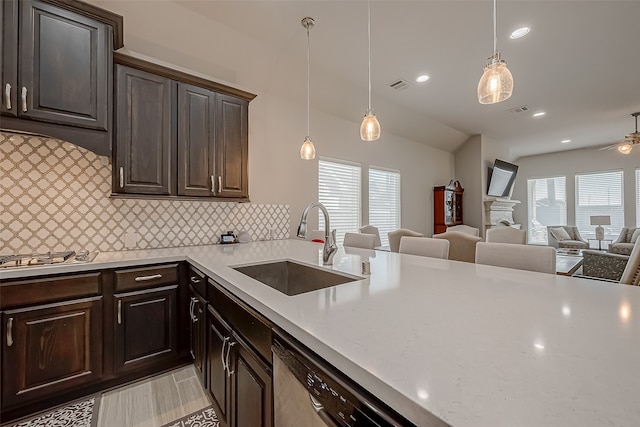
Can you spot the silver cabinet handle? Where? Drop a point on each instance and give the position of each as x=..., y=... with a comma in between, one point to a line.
x=219, y=184
x=191, y=303
x=119, y=312
x=7, y=95
x=24, y=99
x=224, y=344
x=194, y=301
x=213, y=184
x=229, y=372
x=121, y=177
x=9, y=331
x=145, y=278
x=194, y=279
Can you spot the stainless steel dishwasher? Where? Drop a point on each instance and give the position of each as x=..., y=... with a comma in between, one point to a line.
x=307, y=394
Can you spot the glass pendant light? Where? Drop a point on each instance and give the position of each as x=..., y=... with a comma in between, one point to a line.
x=496, y=84
x=370, y=128
x=308, y=151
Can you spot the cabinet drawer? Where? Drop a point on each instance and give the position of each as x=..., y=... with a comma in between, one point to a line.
x=198, y=280
x=38, y=291
x=147, y=277
x=252, y=327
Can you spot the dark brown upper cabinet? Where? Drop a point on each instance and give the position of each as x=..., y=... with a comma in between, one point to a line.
x=204, y=151
x=232, y=145
x=145, y=128
x=57, y=74
x=196, y=141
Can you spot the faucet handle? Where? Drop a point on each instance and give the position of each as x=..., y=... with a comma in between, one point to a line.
x=333, y=236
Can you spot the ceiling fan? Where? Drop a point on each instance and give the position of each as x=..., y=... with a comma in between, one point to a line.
x=629, y=140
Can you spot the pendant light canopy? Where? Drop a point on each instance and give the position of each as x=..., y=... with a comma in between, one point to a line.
x=630, y=139
x=496, y=84
x=370, y=128
x=308, y=151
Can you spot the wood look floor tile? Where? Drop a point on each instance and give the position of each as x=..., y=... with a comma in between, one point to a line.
x=166, y=400
x=184, y=373
x=192, y=396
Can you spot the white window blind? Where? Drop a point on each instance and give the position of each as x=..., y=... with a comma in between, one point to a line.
x=637, y=197
x=384, y=201
x=547, y=204
x=599, y=194
x=339, y=188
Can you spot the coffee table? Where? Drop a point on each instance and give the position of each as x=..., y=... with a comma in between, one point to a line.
x=568, y=263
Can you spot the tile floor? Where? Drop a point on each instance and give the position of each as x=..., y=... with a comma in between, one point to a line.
x=153, y=402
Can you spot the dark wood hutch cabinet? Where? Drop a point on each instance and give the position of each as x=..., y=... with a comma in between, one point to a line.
x=447, y=206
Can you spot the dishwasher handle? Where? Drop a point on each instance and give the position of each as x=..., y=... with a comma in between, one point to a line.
x=319, y=408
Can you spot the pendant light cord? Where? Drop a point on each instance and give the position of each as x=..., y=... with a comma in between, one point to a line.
x=308, y=79
x=495, y=27
x=369, y=36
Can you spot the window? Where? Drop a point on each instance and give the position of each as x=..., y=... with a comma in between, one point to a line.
x=384, y=201
x=599, y=194
x=547, y=201
x=339, y=187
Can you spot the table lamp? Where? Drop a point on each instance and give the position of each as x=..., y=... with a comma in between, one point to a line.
x=600, y=220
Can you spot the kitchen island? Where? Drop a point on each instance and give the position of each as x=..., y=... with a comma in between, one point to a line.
x=467, y=344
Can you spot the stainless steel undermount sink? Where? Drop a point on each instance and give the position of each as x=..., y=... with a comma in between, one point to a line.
x=292, y=278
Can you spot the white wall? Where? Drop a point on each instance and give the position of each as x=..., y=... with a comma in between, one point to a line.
x=568, y=163
x=277, y=117
x=468, y=171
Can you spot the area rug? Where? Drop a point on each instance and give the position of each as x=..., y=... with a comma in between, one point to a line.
x=204, y=418
x=82, y=413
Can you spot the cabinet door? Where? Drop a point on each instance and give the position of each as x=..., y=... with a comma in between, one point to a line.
x=252, y=390
x=196, y=140
x=50, y=348
x=9, y=56
x=232, y=146
x=218, y=338
x=145, y=329
x=144, y=132
x=197, y=333
x=64, y=66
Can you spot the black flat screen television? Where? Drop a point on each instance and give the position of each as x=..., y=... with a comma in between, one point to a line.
x=501, y=178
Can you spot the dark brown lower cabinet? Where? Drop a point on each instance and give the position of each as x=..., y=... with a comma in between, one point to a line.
x=239, y=381
x=50, y=348
x=198, y=333
x=145, y=328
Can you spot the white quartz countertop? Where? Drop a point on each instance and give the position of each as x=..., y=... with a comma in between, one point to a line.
x=472, y=345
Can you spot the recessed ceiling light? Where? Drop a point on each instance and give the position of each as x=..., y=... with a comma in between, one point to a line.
x=565, y=141
x=423, y=78
x=520, y=32
x=539, y=114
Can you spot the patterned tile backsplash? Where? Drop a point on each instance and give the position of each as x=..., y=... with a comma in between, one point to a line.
x=55, y=196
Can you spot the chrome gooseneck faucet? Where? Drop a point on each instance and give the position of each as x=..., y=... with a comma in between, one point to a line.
x=330, y=247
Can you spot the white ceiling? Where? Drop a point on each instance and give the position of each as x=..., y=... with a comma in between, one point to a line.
x=580, y=64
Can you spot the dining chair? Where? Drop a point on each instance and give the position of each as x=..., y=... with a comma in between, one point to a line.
x=506, y=235
x=396, y=235
x=370, y=229
x=522, y=257
x=359, y=240
x=424, y=246
x=462, y=246
x=462, y=228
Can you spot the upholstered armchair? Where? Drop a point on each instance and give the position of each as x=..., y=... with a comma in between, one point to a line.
x=624, y=243
x=569, y=239
x=603, y=265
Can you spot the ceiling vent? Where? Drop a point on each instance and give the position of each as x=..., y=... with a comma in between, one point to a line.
x=399, y=84
x=520, y=109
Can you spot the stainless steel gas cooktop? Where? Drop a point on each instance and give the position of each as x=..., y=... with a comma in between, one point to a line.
x=48, y=258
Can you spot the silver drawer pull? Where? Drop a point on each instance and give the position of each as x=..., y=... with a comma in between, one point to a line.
x=229, y=372
x=145, y=278
x=24, y=99
x=7, y=95
x=119, y=312
x=224, y=343
x=9, y=331
x=194, y=279
x=219, y=184
x=213, y=184
x=121, y=177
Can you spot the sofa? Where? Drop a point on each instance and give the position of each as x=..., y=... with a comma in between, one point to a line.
x=571, y=238
x=603, y=265
x=624, y=243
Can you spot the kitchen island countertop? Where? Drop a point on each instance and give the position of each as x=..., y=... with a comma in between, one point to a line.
x=468, y=344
